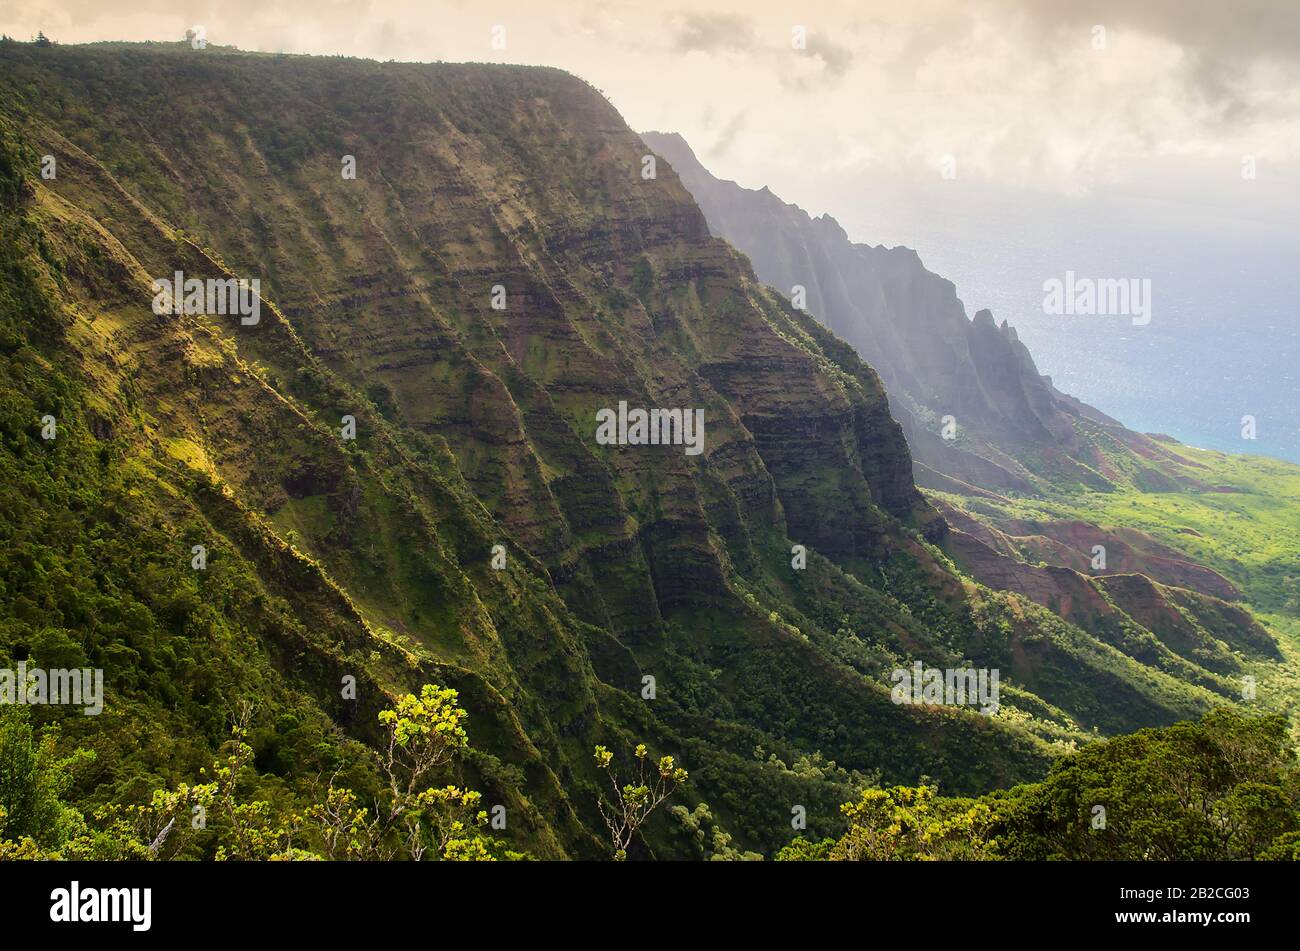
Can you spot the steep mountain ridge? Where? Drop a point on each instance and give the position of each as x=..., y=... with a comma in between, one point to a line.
x=1015, y=434
x=475, y=428
x=1013, y=429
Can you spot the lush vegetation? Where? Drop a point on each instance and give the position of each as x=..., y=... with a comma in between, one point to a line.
x=1223, y=789
x=343, y=575
x=1240, y=516
x=411, y=812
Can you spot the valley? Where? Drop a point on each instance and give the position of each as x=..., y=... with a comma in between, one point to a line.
x=399, y=484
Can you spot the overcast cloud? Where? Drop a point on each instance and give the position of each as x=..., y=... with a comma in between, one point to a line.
x=1019, y=93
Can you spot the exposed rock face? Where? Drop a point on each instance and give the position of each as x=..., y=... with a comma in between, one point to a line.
x=1176, y=629
x=1071, y=544
x=1127, y=551
x=1014, y=429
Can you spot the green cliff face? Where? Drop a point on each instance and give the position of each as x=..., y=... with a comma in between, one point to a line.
x=1014, y=431
x=376, y=557
x=1019, y=445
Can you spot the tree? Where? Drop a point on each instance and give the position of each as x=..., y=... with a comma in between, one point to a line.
x=633, y=803
x=702, y=830
x=414, y=816
x=173, y=823
x=33, y=782
x=1221, y=789
x=1224, y=788
x=804, y=849
x=911, y=823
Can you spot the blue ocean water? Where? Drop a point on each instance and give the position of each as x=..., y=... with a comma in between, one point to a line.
x=1224, y=336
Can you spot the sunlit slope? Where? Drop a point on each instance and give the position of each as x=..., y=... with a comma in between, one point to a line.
x=373, y=557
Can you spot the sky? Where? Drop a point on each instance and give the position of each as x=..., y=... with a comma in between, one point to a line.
x=1059, y=96
x=1006, y=140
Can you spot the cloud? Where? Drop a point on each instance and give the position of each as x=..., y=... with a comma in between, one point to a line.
x=712, y=33
x=1243, y=30
x=837, y=59
x=822, y=63
x=727, y=135
x=1222, y=44
x=1013, y=89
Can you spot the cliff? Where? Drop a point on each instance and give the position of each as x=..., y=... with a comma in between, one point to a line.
x=1014, y=431
x=373, y=556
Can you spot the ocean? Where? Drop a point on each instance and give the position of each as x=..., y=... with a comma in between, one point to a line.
x=1223, y=341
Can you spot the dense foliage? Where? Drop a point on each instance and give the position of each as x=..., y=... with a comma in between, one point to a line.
x=342, y=575
x=1223, y=789
x=414, y=812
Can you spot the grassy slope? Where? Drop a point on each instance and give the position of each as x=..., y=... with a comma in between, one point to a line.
x=1250, y=535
